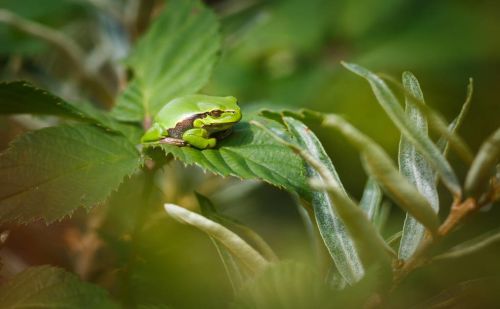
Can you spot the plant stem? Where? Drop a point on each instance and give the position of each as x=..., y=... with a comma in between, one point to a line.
x=68, y=49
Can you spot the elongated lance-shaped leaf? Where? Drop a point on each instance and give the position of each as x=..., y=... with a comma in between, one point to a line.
x=392, y=107
x=370, y=246
x=209, y=211
x=483, y=166
x=379, y=165
x=471, y=246
x=175, y=57
x=371, y=199
x=247, y=255
x=416, y=169
x=234, y=271
x=443, y=143
x=331, y=228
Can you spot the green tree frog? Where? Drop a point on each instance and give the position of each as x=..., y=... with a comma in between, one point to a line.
x=196, y=120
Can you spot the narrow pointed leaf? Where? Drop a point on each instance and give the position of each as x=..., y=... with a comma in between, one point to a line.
x=369, y=245
x=247, y=255
x=175, y=57
x=483, y=166
x=51, y=287
x=416, y=169
x=392, y=107
x=331, y=228
x=443, y=143
x=471, y=246
x=234, y=271
x=48, y=173
x=380, y=166
x=371, y=199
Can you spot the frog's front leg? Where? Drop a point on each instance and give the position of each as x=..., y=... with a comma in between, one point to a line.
x=198, y=137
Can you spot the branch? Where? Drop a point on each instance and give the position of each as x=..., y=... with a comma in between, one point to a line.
x=68, y=49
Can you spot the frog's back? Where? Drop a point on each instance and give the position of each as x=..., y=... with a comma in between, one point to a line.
x=191, y=105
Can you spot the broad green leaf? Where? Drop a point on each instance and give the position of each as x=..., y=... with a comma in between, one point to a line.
x=48, y=173
x=392, y=107
x=247, y=255
x=175, y=57
x=379, y=165
x=331, y=228
x=369, y=244
x=483, y=166
x=443, y=143
x=20, y=97
x=51, y=287
x=416, y=169
x=371, y=199
x=249, y=153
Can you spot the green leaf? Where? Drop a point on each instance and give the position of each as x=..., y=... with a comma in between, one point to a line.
x=240, y=249
x=51, y=287
x=471, y=246
x=248, y=153
x=49, y=173
x=443, y=143
x=371, y=199
x=20, y=97
x=392, y=107
x=379, y=165
x=483, y=166
x=331, y=228
x=416, y=169
x=175, y=57
x=370, y=246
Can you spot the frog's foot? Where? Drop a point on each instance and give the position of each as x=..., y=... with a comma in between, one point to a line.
x=198, y=137
x=172, y=141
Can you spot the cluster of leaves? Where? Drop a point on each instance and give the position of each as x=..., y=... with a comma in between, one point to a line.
x=48, y=173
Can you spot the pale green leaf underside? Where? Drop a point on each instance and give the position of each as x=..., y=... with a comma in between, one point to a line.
x=51, y=287
x=49, y=173
x=248, y=153
x=175, y=57
x=371, y=199
x=332, y=229
x=416, y=169
x=424, y=144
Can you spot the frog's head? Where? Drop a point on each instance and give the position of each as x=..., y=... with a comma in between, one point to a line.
x=221, y=113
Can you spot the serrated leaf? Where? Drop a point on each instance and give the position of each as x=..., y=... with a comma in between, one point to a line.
x=20, y=97
x=248, y=153
x=371, y=199
x=483, y=166
x=379, y=165
x=48, y=173
x=416, y=169
x=240, y=249
x=175, y=57
x=392, y=107
x=51, y=287
x=331, y=228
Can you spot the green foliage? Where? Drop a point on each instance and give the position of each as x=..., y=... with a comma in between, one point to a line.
x=51, y=287
x=48, y=173
x=393, y=108
x=174, y=58
x=249, y=154
x=416, y=168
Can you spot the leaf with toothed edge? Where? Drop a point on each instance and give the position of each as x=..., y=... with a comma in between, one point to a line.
x=249, y=153
x=48, y=173
x=174, y=58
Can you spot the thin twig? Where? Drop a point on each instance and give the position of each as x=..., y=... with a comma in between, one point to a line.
x=68, y=49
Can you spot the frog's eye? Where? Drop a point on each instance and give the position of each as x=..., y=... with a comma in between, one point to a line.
x=216, y=113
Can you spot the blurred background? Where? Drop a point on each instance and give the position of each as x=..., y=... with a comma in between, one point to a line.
x=276, y=54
